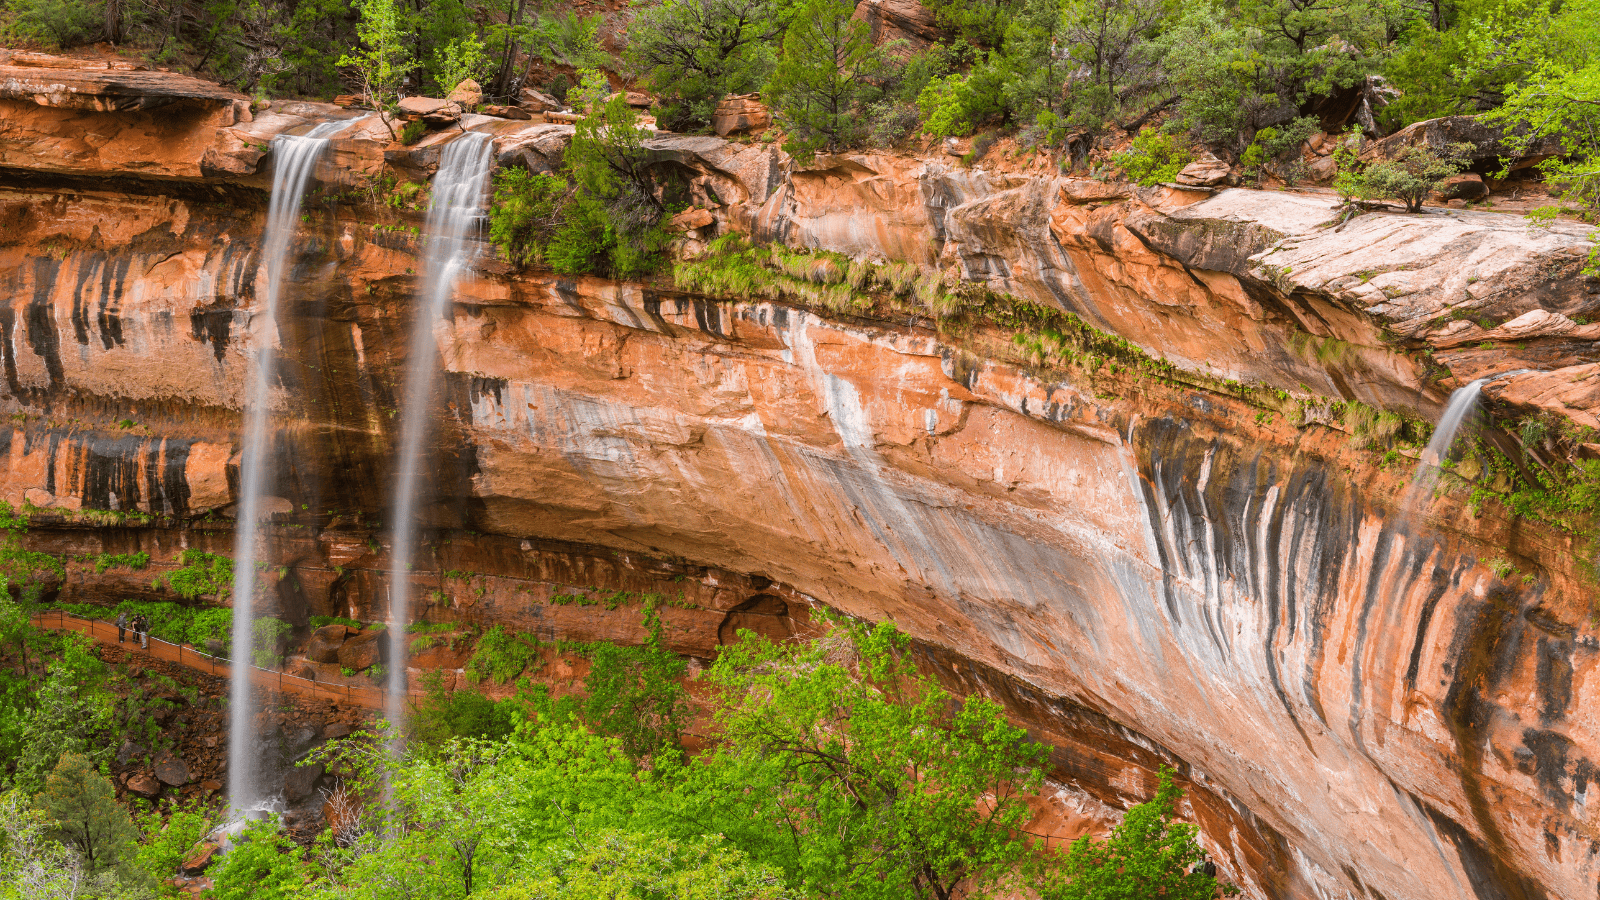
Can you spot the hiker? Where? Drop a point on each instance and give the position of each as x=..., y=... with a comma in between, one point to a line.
x=141, y=627
x=122, y=626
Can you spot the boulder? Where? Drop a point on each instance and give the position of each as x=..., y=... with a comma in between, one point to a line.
x=430, y=110
x=1204, y=172
x=301, y=782
x=507, y=112
x=301, y=669
x=537, y=101
x=347, y=100
x=899, y=20
x=634, y=99
x=337, y=730
x=690, y=219
x=144, y=785
x=1466, y=186
x=364, y=650
x=323, y=647
x=1488, y=142
x=199, y=859
x=172, y=771
x=467, y=93
x=1322, y=170
x=740, y=115
x=130, y=751
x=1089, y=190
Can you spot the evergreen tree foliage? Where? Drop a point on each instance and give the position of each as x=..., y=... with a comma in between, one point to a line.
x=825, y=72
x=697, y=51
x=82, y=806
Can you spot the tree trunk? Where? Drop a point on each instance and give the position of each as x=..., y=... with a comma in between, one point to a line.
x=114, y=21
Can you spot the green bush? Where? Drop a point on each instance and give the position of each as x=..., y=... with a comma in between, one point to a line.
x=443, y=714
x=200, y=574
x=635, y=697
x=1147, y=855
x=1410, y=177
x=1154, y=157
x=529, y=209
x=62, y=23
x=603, y=217
x=1272, y=144
x=501, y=656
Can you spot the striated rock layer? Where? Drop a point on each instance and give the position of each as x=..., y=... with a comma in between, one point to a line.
x=1146, y=571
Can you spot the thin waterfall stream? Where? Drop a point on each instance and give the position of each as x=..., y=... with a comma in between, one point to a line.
x=1462, y=402
x=456, y=210
x=294, y=160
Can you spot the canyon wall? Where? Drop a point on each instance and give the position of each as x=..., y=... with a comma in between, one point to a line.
x=1200, y=570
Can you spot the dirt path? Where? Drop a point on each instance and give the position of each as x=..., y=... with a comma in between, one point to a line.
x=189, y=657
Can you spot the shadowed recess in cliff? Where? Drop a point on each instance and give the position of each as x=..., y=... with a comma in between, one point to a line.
x=294, y=161
x=454, y=214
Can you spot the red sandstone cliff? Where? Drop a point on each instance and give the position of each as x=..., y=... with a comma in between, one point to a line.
x=1146, y=570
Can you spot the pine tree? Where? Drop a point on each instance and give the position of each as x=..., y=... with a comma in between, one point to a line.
x=83, y=806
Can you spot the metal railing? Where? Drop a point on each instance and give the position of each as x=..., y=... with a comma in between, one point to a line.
x=186, y=655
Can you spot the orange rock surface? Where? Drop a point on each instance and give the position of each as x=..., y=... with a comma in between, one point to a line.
x=1144, y=570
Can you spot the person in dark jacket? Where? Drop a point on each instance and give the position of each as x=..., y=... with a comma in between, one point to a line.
x=122, y=626
x=141, y=627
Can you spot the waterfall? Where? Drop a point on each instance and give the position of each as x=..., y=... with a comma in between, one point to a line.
x=1461, y=404
x=456, y=209
x=294, y=159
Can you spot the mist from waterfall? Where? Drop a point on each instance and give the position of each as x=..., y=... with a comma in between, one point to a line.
x=1462, y=403
x=294, y=161
x=456, y=211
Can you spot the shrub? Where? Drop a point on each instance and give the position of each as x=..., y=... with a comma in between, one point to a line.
x=634, y=696
x=940, y=103
x=201, y=574
x=63, y=23
x=1148, y=855
x=500, y=656
x=1271, y=144
x=443, y=714
x=528, y=211
x=1153, y=157
x=1410, y=177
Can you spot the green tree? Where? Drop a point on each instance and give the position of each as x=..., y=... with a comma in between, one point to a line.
x=825, y=72
x=263, y=864
x=1559, y=99
x=1414, y=174
x=614, y=222
x=83, y=807
x=72, y=713
x=697, y=51
x=617, y=865
x=460, y=60
x=529, y=210
x=32, y=866
x=169, y=836
x=1148, y=855
x=1223, y=85
x=1113, y=40
x=383, y=61
x=888, y=786
x=1313, y=47
x=635, y=697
